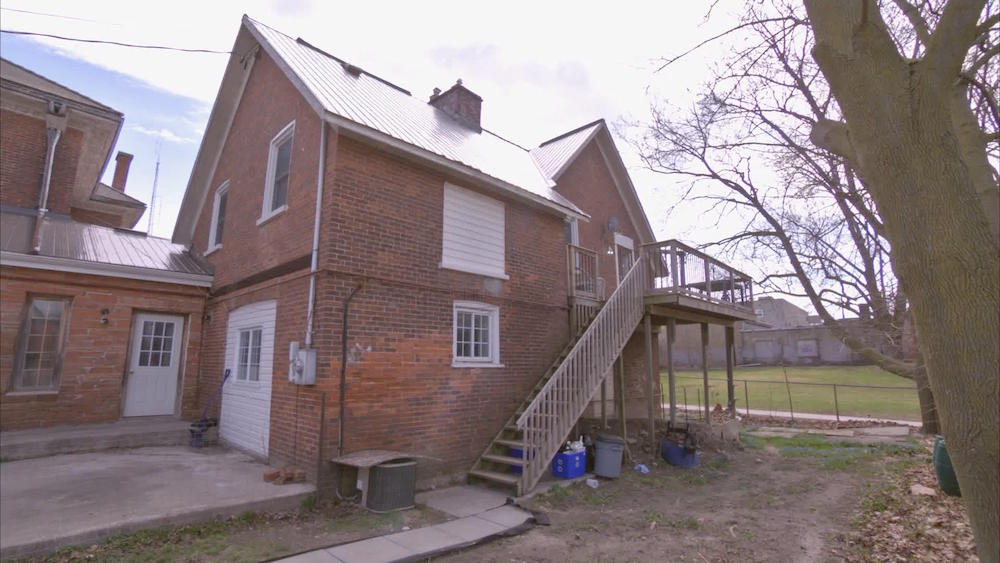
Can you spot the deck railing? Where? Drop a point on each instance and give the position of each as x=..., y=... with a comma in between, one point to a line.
x=551, y=415
x=675, y=267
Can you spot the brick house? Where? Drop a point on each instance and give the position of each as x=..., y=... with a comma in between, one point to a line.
x=465, y=269
x=98, y=322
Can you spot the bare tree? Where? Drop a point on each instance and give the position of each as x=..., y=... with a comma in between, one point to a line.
x=909, y=129
x=806, y=216
x=885, y=113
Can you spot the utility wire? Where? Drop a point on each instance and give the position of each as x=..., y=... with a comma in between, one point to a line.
x=51, y=15
x=117, y=43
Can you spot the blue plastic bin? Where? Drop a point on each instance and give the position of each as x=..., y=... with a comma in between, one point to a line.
x=569, y=465
x=675, y=455
x=518, y=453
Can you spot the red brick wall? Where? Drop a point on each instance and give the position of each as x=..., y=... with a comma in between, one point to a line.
x=95, y=354
x=588, y=183
x=382, y=221
x=269, y=103
x=22, y=145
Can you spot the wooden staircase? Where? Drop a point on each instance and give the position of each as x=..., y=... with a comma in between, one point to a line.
x=544, y=419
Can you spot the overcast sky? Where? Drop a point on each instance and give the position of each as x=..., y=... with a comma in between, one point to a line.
x=541, y=68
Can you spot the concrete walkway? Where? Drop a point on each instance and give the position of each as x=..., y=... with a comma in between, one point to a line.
x=52, y=502
x=803, y=415
x=126, y=433
x=481, y=513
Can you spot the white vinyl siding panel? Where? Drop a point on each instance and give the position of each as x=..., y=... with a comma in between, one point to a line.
x=245, y=419
x=473, y=233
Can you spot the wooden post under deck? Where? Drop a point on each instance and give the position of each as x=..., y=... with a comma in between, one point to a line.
x=671, y=331
x=650, y=388
x=704, y=371
x=604, y=404
x=730, y=360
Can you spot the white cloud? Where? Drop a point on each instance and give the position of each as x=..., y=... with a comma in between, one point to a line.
x=164, y=133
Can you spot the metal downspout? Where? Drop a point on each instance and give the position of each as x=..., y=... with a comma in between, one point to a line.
x=52, y=135
x=316, y=225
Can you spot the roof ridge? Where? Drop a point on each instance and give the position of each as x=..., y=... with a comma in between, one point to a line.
x=61, y=85
x=574, y=131
x=343, y=62
x=504, y=139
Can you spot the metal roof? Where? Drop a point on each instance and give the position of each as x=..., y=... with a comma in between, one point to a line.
x=16, y=73
x=554, y=155
x=360, y=97
x=64, y=238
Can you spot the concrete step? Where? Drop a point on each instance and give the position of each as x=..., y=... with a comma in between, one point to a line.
x=125, y=433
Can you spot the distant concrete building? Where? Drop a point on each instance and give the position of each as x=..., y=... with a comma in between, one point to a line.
x=783, y=334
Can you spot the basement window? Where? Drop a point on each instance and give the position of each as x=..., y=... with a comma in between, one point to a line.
x=279, y=166
x=476, y=340
x=248, y=361
x=42, y=341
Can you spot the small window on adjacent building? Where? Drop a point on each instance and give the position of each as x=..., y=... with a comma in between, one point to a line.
x=279, y=164
x=218, y=217
x=472, y=238
x=477, y=334
x=248, y=361
x=42, y=340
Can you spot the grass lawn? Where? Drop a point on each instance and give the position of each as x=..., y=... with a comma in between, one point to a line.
x=766, y=389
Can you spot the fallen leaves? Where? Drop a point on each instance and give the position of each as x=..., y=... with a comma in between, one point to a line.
x=909, y=521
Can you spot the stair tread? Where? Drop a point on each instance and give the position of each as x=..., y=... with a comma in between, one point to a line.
x=505, y=478
x=509, y=443
x=504, y=459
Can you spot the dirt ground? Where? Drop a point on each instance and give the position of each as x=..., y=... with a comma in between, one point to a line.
x=779, y=500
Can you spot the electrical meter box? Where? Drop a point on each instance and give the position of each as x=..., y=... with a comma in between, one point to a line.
x=301, y=365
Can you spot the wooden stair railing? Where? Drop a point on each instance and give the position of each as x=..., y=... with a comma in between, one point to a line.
x=495, y=462
x=544, y=423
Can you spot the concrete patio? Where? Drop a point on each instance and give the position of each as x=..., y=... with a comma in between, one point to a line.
x=71, y=499
x=137, y=432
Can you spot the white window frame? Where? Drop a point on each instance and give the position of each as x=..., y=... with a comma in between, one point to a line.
x=241, y=377
x=574, y=231
x=287, y=133
x=213, y=242
x=476, y=308
x=16, y=385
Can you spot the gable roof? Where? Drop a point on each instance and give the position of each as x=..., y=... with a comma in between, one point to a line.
x=16, y=73
x=555, y=156
x=366, y=106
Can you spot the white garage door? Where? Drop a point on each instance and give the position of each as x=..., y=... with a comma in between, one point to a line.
x=245, y=419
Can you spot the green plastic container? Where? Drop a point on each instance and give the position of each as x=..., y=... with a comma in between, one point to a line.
x=945, y=472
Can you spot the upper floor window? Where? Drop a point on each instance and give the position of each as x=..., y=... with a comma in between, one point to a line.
x=40, y=352
x=472, y=233
x=279, y=164
x=218, y=217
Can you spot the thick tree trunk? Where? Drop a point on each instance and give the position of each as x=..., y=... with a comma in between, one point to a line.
x=928, y=411
x=903, y=140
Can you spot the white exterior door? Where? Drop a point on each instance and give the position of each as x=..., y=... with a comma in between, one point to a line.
x=624, y=255
x=245, y=419
x=154, y=365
